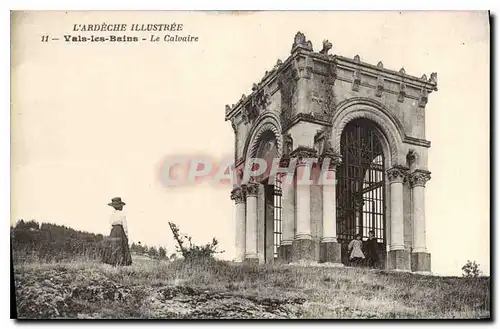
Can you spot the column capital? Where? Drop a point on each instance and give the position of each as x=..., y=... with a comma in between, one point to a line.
x=302, y=153
x=397, y=174
x=334, y=160
x=238, y=195
x=251, y=189
x=419, y=177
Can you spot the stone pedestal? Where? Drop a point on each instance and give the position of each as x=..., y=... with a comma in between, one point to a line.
x=398, y=260
x=329, y=252
x=420, y=262
x=285, y=252
x=251, y=261
x=303, y=249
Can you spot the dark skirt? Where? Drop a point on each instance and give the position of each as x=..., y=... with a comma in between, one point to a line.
x=116, y=251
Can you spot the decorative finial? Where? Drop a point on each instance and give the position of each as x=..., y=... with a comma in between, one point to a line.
x=254, y=86
x=402, y=71
x=356, y=58
x=424, y=77
x=300, y=40
x=279, y=62
x=243, y=97
x=228, y=108
x=380, y=65
x=327, y=45
x=434, y=77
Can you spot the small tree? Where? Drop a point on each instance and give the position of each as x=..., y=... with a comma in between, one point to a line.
x=162, y=252
x=471, y=270
x=189, y=250
x=152, y=252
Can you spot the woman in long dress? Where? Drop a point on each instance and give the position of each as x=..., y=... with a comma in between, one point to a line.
x=116, y=250
x=356, y=256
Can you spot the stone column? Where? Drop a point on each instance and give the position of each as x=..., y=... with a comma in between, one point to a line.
x=288, y=220
x=420, y=258
x=329, y=246
x=398, y=257
x=303, y=247
x=238, y=196
x=251, y=192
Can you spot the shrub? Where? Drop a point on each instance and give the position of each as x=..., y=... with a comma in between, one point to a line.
x=191, y=251
x=471, y=270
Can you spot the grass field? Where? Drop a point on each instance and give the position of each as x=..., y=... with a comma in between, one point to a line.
x=216, y=289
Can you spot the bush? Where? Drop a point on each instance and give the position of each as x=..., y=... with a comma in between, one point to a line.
x=471, y=270
x=189, y=250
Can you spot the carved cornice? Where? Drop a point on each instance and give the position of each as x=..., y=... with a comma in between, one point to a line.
x=251, y=189
x=417, y=141
x=419, y=177
x=389, y=74
x=306, y=117
x=238, y=195
x=397, y=174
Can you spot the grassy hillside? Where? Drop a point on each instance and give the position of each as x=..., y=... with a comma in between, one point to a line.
x=161, y=289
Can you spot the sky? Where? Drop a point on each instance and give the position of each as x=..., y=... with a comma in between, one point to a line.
x=91, y=121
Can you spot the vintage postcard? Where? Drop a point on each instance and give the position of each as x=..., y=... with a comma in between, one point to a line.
x=250, y=165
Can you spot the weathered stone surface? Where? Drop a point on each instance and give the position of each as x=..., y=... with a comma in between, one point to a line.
x=251, y=261
x=330, y=252
x=285, y=253
x=399, y=260
x=421, y=262
x=303, y=250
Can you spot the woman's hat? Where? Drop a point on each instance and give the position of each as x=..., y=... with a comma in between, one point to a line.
x=116, y=202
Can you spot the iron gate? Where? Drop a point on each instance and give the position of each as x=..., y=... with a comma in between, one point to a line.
x=361, y=185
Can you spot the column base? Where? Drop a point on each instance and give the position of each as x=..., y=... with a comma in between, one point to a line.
x=420, y=262
x=329, y=252
x=285, y=252
x=251, y=261
x=398, y=260
x=303, y=249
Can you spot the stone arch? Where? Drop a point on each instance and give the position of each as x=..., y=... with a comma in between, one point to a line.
x=267, y=122
x=389, y=126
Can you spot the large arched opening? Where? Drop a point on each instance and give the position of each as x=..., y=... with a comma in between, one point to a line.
x=361, y=187
x=267, y=149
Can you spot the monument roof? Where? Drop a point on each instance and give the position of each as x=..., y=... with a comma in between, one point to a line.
x=303, y=47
